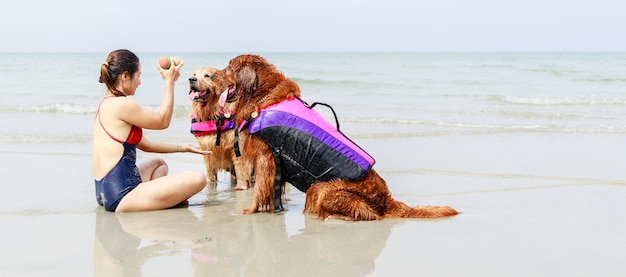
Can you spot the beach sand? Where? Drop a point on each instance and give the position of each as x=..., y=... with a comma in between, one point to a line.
x=554, y=211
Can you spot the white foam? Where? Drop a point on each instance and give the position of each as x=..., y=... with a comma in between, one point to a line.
x=552, y=101
x=54, y=108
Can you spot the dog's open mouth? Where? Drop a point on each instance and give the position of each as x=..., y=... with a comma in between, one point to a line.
x=227, y=95
x=197, y=95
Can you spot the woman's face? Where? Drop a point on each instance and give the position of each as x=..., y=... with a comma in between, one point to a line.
x=131, y=82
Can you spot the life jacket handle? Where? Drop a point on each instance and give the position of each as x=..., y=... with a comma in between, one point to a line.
x=331, y=109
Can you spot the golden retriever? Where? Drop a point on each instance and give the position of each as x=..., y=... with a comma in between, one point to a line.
x=212, y=127
x=257, y=84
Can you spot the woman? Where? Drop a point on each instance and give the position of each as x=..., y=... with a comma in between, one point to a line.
x=121, y=184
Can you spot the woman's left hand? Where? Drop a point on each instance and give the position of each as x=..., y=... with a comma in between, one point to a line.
x=193, y=149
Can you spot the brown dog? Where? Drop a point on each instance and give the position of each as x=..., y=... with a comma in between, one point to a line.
x=257, y=84
x=213, y=129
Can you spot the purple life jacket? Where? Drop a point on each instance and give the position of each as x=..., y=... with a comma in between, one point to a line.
x=309, y=148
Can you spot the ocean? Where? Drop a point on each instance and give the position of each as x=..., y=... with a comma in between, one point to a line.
x=443, y=127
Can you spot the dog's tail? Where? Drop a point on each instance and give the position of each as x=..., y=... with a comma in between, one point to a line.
x=399, y=209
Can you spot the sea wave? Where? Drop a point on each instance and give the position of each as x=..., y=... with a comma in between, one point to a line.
x=69, y=108
x=603, y=80
x=357, y=128
x=561, y=101
x=426, y=128
x=49, y=108
x=335, y=83
x=36, y=139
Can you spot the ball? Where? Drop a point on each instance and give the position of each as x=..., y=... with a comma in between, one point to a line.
x=176, y=60
x=165, y=62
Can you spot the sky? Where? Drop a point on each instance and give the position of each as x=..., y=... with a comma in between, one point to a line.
x=313, y=26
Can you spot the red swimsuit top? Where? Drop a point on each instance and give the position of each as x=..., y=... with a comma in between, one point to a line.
x=134, y=136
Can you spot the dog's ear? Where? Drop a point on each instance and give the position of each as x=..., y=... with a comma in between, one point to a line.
x=247, y=80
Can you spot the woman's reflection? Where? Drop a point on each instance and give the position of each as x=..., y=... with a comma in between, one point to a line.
x=125, y=241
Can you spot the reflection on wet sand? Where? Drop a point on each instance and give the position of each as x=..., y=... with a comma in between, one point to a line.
x=125, y=241
x=262, y=247
x=225, y=243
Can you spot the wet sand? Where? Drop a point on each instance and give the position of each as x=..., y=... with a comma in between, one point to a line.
x=553, y=211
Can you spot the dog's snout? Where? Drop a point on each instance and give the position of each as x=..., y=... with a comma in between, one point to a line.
x=193, y=80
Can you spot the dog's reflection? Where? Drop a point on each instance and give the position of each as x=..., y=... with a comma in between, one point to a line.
x=223, y=243
x=260, y=245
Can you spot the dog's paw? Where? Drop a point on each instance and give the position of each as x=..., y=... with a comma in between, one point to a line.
x=247, y=211
x=241, y=187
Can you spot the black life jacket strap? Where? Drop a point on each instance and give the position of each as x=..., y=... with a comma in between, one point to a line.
x=237, y=128
x=278, y=184
x=236, y=143
x=331, y=109
x=218, y=127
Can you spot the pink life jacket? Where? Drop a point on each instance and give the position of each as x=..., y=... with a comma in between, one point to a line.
x=213, y=125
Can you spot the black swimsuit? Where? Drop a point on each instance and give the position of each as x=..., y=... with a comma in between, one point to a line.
x=124, y=176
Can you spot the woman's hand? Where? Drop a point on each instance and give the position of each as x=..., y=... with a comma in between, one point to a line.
x=172, y=73
x=192, y=149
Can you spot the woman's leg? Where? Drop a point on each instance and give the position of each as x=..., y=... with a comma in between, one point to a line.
x=160, y=191
x=152, y=169
x=163, y=193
